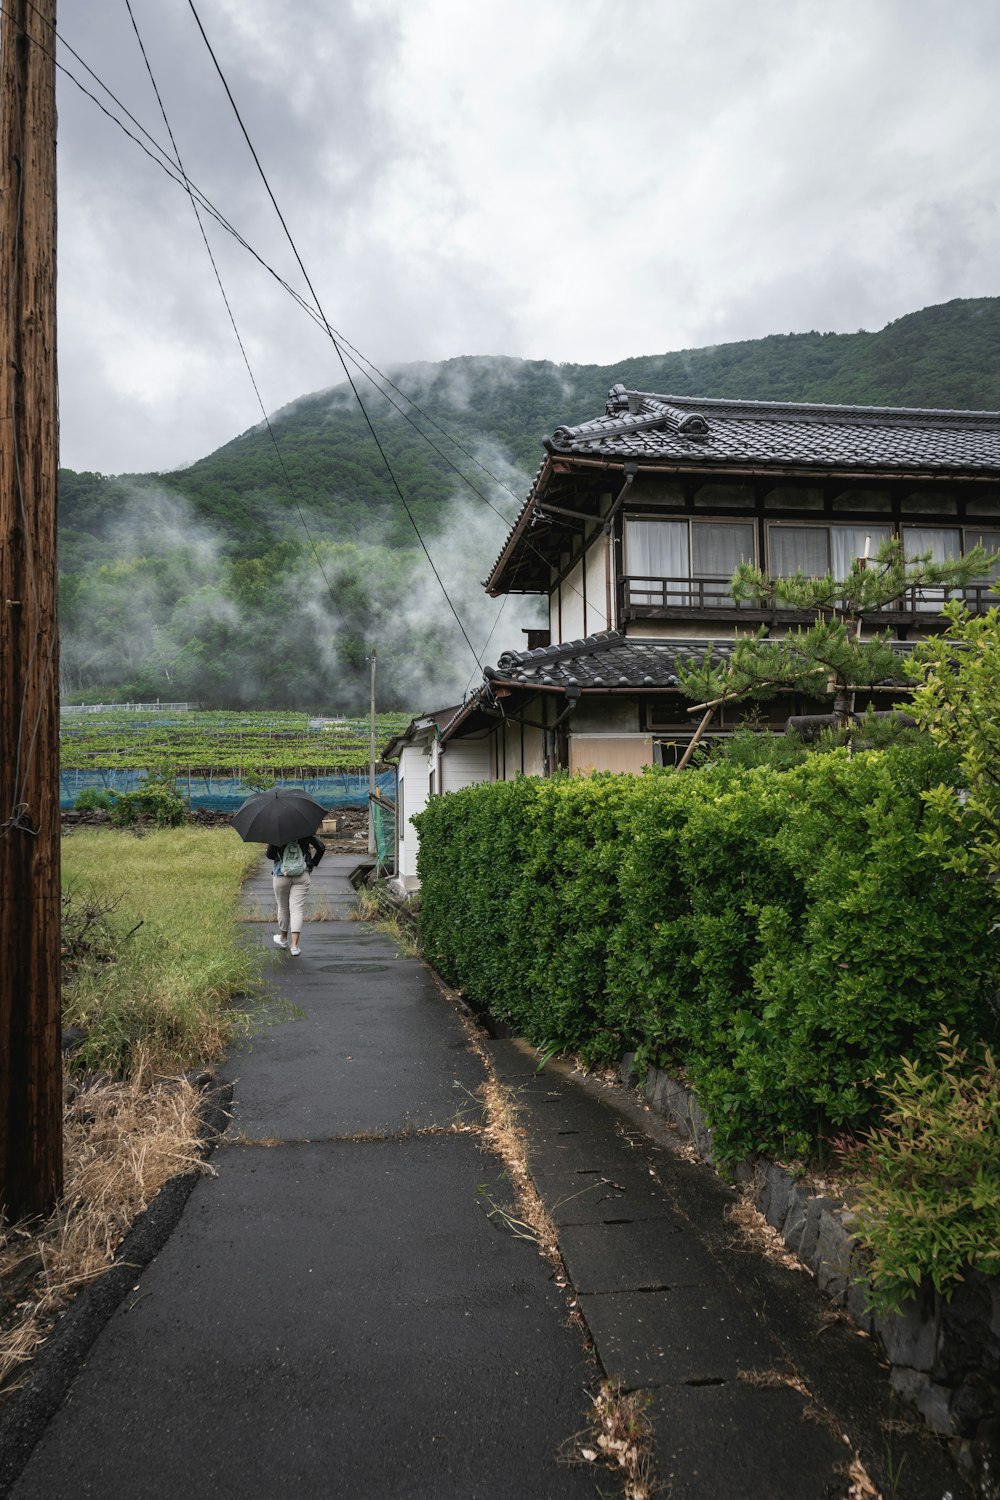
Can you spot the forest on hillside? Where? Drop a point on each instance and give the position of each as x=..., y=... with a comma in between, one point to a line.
x=262, y=574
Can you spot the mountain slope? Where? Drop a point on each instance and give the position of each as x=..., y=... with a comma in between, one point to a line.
x=499, y=409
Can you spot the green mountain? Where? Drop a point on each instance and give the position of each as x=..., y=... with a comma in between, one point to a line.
x=499, y=409
x=183, y=572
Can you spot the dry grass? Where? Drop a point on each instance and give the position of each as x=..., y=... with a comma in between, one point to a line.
x=123, y=1141
x=505, y=1136
x=860, y=1486
x=758, y=1233
x=773, y=1379
x=621, y=1439
x=371, y=907
x=368, y=908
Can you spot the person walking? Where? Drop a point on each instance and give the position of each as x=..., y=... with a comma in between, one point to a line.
x=291, y=867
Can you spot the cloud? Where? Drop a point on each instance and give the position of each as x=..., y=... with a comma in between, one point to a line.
x=564, y=181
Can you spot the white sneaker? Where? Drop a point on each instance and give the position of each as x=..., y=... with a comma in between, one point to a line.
x=295, y=951
x=282, y=942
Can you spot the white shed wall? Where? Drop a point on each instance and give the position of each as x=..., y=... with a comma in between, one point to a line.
x=412, y=791
x=465, y=762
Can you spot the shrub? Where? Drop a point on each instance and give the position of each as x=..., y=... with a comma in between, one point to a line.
x=886, y=945
x=156, y=801
x=782, y=937
x=929, y=1203
x=92, y=799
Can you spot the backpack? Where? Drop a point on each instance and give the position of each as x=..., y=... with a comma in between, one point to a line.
x=293, y=861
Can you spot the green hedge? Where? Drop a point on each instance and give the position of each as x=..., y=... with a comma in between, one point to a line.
x=783, y=937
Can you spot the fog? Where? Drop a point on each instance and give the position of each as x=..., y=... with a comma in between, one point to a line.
x=169, y=612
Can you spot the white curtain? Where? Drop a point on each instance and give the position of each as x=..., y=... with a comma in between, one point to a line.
x=848, y=543
x=655, y=550
x=943, y=543
x=798, y=549
x=717, y=549
x=991, y=541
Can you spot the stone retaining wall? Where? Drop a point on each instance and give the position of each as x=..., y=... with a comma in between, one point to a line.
x=945, y=1356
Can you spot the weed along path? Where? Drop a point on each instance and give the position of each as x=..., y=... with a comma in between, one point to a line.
x=339, y=1311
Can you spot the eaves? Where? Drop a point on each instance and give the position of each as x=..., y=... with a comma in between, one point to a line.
x=617, y=689
x=568, y=465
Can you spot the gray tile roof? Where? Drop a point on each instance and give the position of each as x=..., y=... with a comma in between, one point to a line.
x=714, y=436
x=612, y=660
x=608, y=660
x=441, y=717
x=643, y=426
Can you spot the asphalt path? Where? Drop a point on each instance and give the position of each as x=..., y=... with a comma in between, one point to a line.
x=339, y=1312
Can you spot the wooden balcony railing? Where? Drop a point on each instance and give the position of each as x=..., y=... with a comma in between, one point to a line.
x=656, y=596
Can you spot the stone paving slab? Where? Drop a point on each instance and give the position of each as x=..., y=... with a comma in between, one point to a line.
x=687, y=1335
x=749, y=1318
x=638, y=1255
x=598, y=1195
x=715, y=1443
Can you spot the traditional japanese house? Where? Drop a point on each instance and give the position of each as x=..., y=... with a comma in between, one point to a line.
x=636, y=522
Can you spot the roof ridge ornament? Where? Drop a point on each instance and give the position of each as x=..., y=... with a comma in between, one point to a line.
x=632, y=411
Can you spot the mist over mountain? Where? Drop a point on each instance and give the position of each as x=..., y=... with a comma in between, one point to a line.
x=261, y=575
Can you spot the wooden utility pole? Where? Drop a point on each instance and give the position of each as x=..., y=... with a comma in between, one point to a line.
x=30, y=1070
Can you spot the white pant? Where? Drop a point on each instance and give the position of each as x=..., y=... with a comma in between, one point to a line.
x=290, y=895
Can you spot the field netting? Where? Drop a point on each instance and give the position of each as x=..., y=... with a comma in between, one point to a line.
x=226, y=793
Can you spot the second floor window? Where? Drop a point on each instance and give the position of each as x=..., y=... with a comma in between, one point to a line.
x=685, y=562
x=689, y=563
x=820, y=550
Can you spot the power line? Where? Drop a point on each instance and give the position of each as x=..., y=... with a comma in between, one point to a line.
x=232, y=319
x=503, y=605
x=163, y=161
x=319, y=308
x=166, y=165
x=336, y=344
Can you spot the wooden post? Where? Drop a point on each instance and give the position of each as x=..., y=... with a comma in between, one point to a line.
x=693, y=741
x=30, y=1065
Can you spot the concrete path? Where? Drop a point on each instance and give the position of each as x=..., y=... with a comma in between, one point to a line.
x=758, y=1389
x=337, y=1315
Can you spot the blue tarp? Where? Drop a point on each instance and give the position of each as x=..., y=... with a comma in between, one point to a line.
x=226, y=793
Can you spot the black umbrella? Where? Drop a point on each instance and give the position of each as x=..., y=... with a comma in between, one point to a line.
x=277, y=817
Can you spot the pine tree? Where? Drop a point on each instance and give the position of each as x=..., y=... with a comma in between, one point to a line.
x=828, y=658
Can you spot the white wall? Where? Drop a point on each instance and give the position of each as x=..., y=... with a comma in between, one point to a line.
x=412, y=789
x=595, y=563
x=465, y=762
x=572, y=605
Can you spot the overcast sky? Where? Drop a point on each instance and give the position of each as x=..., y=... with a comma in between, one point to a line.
x=557, y=179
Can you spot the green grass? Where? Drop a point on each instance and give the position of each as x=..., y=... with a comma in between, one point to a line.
x=156, y=977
